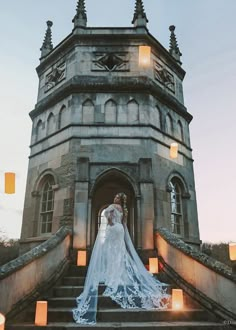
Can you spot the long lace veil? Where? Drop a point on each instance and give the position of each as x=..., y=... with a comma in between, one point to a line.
x=150, y=292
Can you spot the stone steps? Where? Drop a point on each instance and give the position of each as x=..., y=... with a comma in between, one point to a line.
x=123, y=326
x=121, y=315
x=110, y=315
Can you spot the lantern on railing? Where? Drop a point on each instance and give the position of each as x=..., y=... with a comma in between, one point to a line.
x=153, y=265
x=10, y=183
x=41, y=313
x=174, y=150
x=232, y=251
x=2, y=321
x=144, y=56
x=177, y=299
x=81, y=258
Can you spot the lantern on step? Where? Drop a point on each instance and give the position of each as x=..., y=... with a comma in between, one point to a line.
x=177, y=299
x=174, y=150
x=2, y=322
x=232, y=251
x=144, y=56
x=153, y=265
x=10, y=183
x=41, y=313
x=81, y=258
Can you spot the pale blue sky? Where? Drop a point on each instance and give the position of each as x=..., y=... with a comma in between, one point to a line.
x=206, y=32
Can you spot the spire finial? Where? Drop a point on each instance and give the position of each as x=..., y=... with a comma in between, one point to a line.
x=140, y=18
x=174, y=48
x=80, y=19
x=47, y=43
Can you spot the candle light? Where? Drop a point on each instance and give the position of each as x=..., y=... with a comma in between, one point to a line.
x=144, y=56
x=153, y=265
x=177, y=299
x=81, y=258
x=41, y=313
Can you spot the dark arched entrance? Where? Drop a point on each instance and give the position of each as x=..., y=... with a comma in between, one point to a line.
x=104, y=190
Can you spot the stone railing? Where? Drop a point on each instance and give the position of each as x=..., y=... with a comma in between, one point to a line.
x=22, y=280
x=207, y=280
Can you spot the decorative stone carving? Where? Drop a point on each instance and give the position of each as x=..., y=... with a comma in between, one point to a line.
x=56, y=75
x=110, y=62
x=164, y=76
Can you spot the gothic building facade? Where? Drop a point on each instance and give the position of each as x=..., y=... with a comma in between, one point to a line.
x=103, y=123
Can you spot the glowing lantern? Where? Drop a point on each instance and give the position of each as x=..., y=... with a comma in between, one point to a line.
x=41, y=313
x=2, y=322
x=232, y=251
x=153, y=265
x=177, y=299
x=174, y=150
x=9, y=183
x=81, y=258
x=144, y=56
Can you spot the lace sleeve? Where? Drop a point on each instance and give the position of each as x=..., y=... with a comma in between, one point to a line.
x=109, y=212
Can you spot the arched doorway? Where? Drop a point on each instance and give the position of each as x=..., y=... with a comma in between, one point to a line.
x=106, y=187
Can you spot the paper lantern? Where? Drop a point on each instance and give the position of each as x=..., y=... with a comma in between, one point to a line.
x=232, y=251
x=2, y=322
x=144, y=56
x=81, y=258
x=9, y=183
x=153, y=265
x=41, y=313
x=174, y=150
x=177, y=299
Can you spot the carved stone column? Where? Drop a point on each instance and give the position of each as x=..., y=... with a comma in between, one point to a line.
x=81, y=204
x=147, y=203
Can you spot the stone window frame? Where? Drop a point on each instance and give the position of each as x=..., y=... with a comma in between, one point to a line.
x=180, y=130
x=39, y=123
x=36, y=194
x=46, y=207
x=59, y=124
x=168, y=115
x=185, y=196
x=51, y=116
x=134, y=101
x=116, y=106
x=88, y=100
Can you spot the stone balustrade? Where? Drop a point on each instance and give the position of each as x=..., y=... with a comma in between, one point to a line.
x=23, y=279
x=207, y=280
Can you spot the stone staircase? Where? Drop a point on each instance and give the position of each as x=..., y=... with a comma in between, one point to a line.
x=110, y=316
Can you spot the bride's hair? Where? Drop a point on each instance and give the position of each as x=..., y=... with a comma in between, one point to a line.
x=123, y=198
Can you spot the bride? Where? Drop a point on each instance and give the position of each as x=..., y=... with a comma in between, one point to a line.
x=115, y=263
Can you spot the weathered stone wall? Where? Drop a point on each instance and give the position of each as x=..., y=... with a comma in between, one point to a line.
x=29, y=271
x=207, y=275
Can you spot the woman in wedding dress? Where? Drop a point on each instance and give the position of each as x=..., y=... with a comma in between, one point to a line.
x=115, y=263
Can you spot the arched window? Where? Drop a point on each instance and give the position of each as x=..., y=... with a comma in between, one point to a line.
x=110, y=112
x=88, y=112
x=47, y=206
x=63, y=119
x=169, y=125
x=180, y=131
x=176, y=207
x=133, y=112
x=51, y=125
x=39, y=130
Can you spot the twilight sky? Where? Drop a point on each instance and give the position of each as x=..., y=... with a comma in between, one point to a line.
x=205, y=31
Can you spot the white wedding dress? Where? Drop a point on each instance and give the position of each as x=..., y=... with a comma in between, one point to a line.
x=115, y=263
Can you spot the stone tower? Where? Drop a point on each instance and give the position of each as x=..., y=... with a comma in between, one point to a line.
x=103, y=123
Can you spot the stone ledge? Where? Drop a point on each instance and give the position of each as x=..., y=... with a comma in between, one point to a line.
x=35, y=253
x=201, y=257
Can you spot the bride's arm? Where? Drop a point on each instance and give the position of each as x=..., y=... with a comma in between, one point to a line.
x=109, y=214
